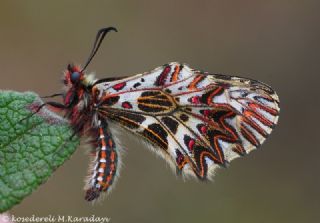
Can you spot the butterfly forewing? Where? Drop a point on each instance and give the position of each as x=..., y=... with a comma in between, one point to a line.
x=195, y=120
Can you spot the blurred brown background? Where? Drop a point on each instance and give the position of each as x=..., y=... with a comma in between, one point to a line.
x=274, y=41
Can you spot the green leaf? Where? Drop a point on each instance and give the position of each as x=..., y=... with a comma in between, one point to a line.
x=31, y=147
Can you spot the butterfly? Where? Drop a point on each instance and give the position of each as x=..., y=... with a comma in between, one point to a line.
x=196, y=121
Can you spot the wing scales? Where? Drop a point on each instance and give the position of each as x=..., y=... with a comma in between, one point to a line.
x=198, y=120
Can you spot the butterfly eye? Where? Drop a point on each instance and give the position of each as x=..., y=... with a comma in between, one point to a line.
x=75, y=77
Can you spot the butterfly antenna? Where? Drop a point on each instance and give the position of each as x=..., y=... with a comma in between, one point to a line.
x=99, y=38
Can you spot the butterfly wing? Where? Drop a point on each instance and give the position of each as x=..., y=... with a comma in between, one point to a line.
x=197, y=121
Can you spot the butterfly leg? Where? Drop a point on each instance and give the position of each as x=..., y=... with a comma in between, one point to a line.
x=53, y=95
x=104, y=167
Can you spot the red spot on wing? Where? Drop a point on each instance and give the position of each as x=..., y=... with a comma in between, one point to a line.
x=119, y=86
x=191, y=144
x=204, y=129
x=126, y=105
x=206, y=113
x=195, y=100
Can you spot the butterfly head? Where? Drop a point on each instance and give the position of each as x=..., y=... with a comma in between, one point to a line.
x=77, y=83
x=73, y=76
